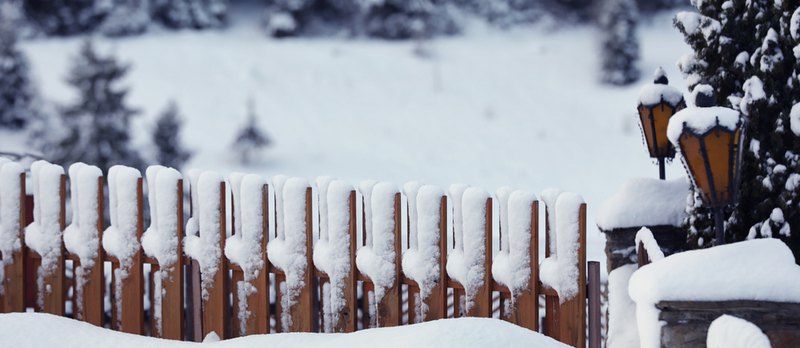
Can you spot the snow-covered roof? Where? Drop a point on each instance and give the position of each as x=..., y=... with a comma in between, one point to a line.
x=645, y=202
x=701, y=120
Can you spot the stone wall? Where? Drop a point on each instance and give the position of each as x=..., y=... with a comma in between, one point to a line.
x=620, y=248
x=687, y=322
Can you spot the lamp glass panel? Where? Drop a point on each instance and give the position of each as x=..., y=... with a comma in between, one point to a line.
x=661, y=115
x=695, y=161
x=644, y=118
x=719, y=144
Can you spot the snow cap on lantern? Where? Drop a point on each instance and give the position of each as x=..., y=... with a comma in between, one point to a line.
x=658, y=102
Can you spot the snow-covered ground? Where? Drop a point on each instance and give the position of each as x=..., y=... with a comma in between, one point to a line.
x=521, y=108
x=25, y=330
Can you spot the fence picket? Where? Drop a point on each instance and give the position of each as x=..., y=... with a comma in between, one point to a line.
x=572, y=325
x=94, y=288
x=13, y=297
x=132, y=296
x=56, y=282
x=172, y=285
x=215, y=308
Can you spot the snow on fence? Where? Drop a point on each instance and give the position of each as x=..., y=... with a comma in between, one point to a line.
x=299, y=258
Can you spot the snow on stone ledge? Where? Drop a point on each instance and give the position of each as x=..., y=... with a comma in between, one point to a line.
x=761, y=269
x=732, y=332
x=700, y=120
x=17, y=328
x=645, y=202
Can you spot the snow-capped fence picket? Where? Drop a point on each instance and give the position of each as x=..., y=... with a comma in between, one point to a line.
x=337, y=280
x=12, y=220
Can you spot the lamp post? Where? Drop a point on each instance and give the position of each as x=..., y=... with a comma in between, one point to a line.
x=710, y=141
x=658, y=102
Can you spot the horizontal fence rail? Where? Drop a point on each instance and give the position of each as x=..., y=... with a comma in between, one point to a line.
x=258, y=257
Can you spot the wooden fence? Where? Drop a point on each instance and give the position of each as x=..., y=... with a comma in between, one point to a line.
x=189, y=315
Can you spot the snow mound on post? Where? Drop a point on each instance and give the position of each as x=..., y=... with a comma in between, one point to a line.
x=549, y=197
x=377, y=260
x=645, y=202
x=468, y=267
x=120, y=239
x=511, y=266
x=244, y=247
x=277, y=184
x=288, y=251
x=421, y=260
x=43, y=235
x=410, y=189
x=560, y=271
x=80, y=238
x=455, y=258
x=206, y=248
x=161, y=238
x=732, y=332
x=332, y=250
x=716, y=275
x=10, y=191
x=365, y=189
x=700, y=120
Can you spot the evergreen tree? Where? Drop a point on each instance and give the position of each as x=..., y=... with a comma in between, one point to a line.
x=194, y=14
x=746, y=50
x=16, y=91
x=405, y=19
x=97, y=125
x=166, y=138
x=620, y=50
x=126, y=17
x=65, y=17
x=250, y=140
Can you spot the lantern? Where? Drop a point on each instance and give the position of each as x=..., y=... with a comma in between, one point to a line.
x=710, y=141
x=657, y=103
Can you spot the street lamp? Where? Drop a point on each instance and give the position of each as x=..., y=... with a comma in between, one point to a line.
x=710, y=141
x=657, y=103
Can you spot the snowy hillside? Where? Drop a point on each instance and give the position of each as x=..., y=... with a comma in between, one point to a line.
x=523, y=108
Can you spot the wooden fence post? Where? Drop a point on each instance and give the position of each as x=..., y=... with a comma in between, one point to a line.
x=390, y=308
x=54, y=299
x=304, y=314
x=572, y=325
x=94, y=288
x=13, y=298
x=258, y=302
x=349, y=314
x=215, y=308
x=172, y=315
x=526, y=313
x=482, y=306
x=594, y=305
x=133, y=285
x=551, y=302
x=437, y=300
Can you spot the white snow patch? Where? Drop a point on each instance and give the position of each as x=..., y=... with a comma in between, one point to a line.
x=654, y=93
x=700, y=120
x=645, y=236
x=560, y=270
x=732, y=332
x=645, y=202
x=467, y=266
x=622, y=333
